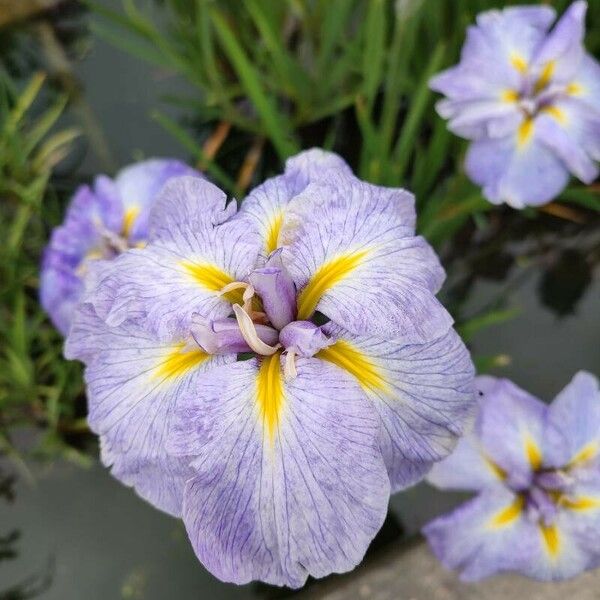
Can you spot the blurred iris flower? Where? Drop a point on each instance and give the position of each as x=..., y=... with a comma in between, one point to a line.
x=101, y=222
x=271, y=373
x=528, y=97
x=536, y=471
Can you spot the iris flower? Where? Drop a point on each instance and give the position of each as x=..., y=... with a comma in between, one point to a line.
x=529, y=99
x=102, y=221
x=536, y=471
x=269, y=374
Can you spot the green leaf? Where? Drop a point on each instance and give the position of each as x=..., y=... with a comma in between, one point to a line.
x=586, y=197
x=375, y=32
x=472, y=326
x=186, y=140
x=276, y=125
x=415, y=114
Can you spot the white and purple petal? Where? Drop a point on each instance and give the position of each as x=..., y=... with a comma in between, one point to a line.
x=266, y=204
x=423, y=394
x=289, y=480
x=353, y=256
x=573, y=428
x=511, y=427
x=193, y=254
x=112, y=212
x=133, y=381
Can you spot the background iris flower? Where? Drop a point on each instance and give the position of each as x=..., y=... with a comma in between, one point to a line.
x=101, y=222
x=536, y=472
x=212, y=380
x=529, y=99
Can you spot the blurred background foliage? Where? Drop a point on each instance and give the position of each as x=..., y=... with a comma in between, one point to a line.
x=265, y=79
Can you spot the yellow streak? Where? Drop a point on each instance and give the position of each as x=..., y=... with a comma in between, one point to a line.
x=574, y=89
x=518, y=62
x=213, y=279
x=534, y=455
x=498, y=471
x=545, y=77
x=269, y=391
x=326, y=276
x=551, y=538
x=588, y=452
x=525, y=132
x=131, y=214
x=581, y=503
x=179, y=362
x=510, y=95
x=273, y=232
x=347, y=357
x=509, y=514
x=555, y=112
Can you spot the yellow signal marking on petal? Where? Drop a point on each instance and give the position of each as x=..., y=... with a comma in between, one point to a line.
x=273, y=232
x=498, y=471
x=179, y=362
x=510, y=95
x=534, y=455
x=213, y=279
x=509, y=514
x=518, y=62
x=324, y=278
x=574, y=89
x=525, y=132
x=269, y=391
x=545, y=76
x=349, y=358
x=551, y=538
x=580, y=503
x=555, y=112
x=588, y=452
x=131, y=214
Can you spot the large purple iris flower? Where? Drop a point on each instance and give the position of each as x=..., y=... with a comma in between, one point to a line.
x=102, y=221
x=221, y=396
x=529, y=99
x=536, y=471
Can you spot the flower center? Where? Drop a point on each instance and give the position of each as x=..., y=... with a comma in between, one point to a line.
x=550, y=489
x=268, y=331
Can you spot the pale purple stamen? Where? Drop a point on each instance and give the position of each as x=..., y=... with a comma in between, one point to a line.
x=274, y=285
x=225, y=336
x=304, y=338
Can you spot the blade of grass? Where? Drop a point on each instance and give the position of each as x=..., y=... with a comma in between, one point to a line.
x=415, y=115
x=186, y=140
x=375, y=32
x=276, y=127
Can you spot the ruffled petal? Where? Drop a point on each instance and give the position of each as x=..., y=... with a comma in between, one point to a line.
x=520, y=174
x=289, y=479
x=467, y=468
x=496, y=53
x=193, y=255
x=266, y=204
x=490, y=534
x=139, y=186
x=511, y=426
x=61, y=283
x=353, y=257
x=116, y=208
x=493, y=534
x=423, y=394
x=133, y=381
x=585, y=85
x=574, y=424
x=563, y=128
x=478, y=118
x=562, y=50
